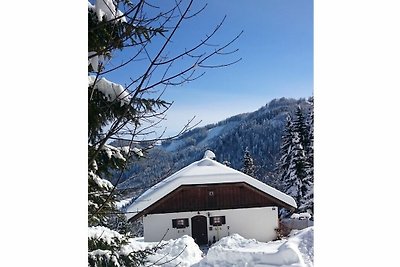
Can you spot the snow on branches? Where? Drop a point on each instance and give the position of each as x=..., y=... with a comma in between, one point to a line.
x=295, y=166
x=111, y=90
x=114, y=249
x=107, y=9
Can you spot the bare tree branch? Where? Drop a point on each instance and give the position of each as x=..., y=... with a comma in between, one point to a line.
x=136, y=122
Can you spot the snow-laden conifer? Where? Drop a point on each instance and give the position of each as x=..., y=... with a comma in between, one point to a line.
x=299, y=126
x=308, y=200
x=295, y=167
x=248, y=164
x=285, y=149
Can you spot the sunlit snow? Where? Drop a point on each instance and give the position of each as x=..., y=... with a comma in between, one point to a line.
x=204, y=171
x=295, y=251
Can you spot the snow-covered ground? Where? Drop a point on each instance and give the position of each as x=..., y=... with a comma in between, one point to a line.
x=295, y=251
x=183, y=252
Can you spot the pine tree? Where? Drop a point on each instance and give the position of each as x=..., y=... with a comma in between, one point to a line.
x=308, y=201
x=294, y=167
x=299, y=126
x=285, y=149
x=124, y=114
x=295, y=184
x=310, y=129
x=107, y=103
x=303, y=128
x=248, y=164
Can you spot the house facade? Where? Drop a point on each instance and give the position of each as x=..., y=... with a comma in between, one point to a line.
x=208, y=200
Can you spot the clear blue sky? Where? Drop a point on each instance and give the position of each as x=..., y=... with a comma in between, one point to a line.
x=277, y=59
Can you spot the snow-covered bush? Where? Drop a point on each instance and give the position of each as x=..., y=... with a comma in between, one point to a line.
x=301, y=216
x=113, y=249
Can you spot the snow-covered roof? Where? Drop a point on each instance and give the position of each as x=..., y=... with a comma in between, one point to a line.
x=204, y=171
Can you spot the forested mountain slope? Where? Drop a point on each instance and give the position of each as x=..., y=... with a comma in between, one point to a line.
x=259, y=131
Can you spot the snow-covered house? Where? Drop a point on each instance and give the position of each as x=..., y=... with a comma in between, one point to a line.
x=208, y=200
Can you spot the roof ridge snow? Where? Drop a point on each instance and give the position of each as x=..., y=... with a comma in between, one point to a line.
x=204, y=171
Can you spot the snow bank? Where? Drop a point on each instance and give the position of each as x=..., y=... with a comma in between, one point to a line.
x=296, y=251
x=303, y=240
x=181, y=252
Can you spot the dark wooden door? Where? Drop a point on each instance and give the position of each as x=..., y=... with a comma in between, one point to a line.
x=199, y=230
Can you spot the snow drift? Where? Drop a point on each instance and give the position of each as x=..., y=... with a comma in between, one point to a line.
x=295, y=251
x=183, y=252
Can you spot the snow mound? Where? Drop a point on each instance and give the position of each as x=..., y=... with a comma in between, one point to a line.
x=303, y=240
x=296, y=251
x=209, y=155
x=183, y=252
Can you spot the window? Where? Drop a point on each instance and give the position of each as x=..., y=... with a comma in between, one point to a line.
x=211, y=200
x=217, y=220
x=180, y=223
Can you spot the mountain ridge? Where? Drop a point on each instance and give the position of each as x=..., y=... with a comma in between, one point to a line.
x=259, y=131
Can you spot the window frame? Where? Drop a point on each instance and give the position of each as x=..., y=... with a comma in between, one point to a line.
x=180, y=223
x=221, y=220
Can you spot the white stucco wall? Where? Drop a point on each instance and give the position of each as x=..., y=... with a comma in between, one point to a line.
x=257, y=223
